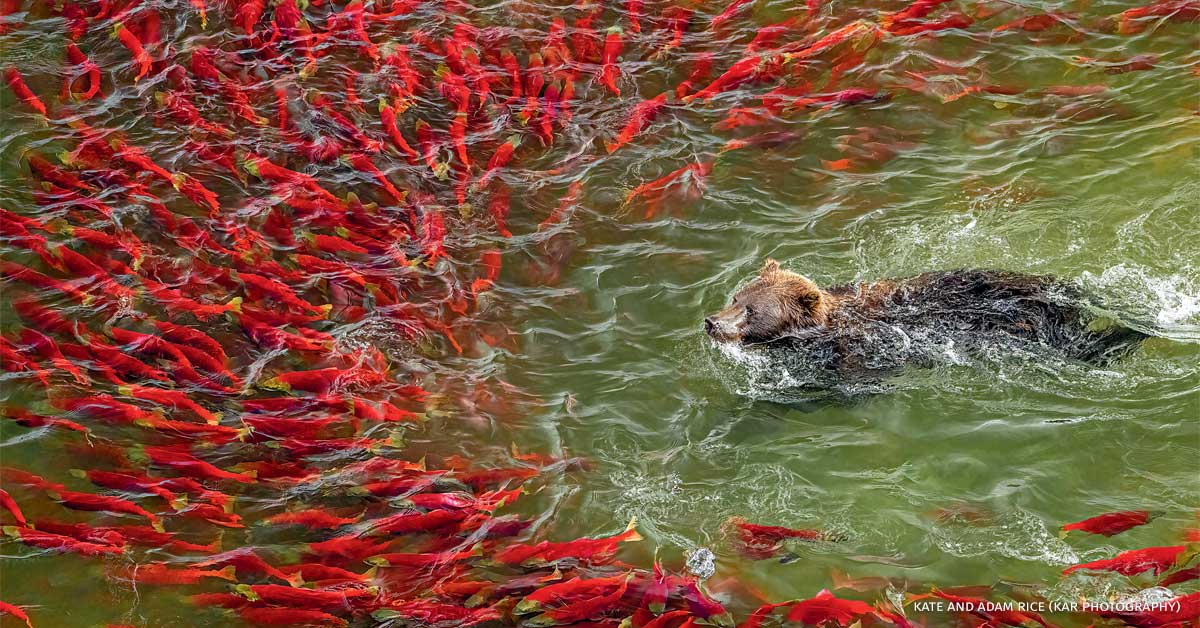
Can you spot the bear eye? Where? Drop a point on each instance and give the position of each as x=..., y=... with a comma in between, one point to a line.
x=749, y=311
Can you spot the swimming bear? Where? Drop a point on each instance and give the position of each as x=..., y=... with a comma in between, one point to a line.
x=876, y=327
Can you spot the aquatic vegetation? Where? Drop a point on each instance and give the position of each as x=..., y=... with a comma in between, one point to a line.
x=245, y=271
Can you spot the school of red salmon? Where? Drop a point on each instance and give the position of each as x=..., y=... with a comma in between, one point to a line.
x=168, y=313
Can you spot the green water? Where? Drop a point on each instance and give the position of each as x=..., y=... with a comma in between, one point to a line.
x=684, y=438
x=605, y=357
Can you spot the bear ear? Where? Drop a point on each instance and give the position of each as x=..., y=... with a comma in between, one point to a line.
x=770, y=267
x=809, y=298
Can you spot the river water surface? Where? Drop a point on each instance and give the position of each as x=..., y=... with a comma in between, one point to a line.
x=959, y=474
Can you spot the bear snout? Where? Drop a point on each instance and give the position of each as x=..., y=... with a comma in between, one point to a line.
x=719, y=327
x=714, y=329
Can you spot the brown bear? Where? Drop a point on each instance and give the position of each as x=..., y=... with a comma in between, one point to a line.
x=881, y=325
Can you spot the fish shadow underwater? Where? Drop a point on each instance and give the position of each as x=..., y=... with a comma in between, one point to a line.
x=846, y=341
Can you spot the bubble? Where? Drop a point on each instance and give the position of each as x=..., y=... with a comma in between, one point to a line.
x=701, y=562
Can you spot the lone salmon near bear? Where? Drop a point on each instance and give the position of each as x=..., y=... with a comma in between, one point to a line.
x=869, y=327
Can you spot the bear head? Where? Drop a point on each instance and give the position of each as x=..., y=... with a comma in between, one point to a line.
x=776, y=303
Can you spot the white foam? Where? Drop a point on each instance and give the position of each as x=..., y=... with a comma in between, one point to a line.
x=701, y=562
x=1173, y=299
x=736, y=352
x=1017, y=534
x=764, y=377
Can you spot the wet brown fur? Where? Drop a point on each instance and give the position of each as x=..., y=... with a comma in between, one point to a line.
x=784, y=299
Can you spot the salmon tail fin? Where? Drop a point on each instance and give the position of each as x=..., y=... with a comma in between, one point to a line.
x=631, y=533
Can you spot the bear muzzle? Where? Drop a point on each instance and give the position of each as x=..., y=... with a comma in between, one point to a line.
x=725, y=326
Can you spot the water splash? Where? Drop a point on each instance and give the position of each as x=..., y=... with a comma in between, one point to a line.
x=1171, y=303
x=1017, y=534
